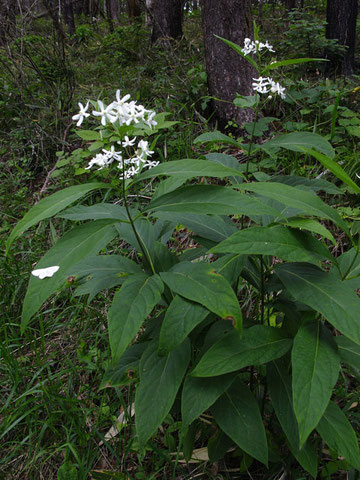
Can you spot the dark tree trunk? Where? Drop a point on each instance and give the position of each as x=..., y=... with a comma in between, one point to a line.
x=341, y=25
x=228, y=73
x=134, y=9
x=166, y=19
x=68, y=14
x=290, y=4
x=112, y=13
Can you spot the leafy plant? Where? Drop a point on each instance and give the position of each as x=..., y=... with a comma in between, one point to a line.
x=257, y=306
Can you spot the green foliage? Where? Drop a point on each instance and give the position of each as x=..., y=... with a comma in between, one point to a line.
x=305, y=37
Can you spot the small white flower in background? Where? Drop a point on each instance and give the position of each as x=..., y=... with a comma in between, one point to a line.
x=82, y=114
x=255, y=47
x=267, y=85
x=45, y=272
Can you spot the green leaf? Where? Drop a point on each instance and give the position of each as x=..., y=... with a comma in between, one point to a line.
x=315, y=369
x=292, y=61
x=100, y=211
x=248, y=101
x=237, y=414
x=349, y=352
x=324, y=293
x=49, y=206
x=306, y=202
x=314, y=184
x=131, y=305
x=189, y=168
x=230, y=266
x=218, y=446
x=145, y=231
x=122, y=372
x=297, y=141
x=199, y=394
x=168, y=185
x=213, y=200
x=349, y=263
x=277, y=241
x=259, y=344
x=338, y=433
x=238, y=50
x=160, y=379
x=72, y=248
x=181, y=318
x=279, y=383
x=105, y=265
x=106, y=271
x=312, y=226
x=88, y=134
x=201, y=284
x=211, y=227
x=217, y=137
x=333, y=167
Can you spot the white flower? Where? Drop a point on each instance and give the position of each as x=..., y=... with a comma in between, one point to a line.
x=128, y=143
x=150, y=120
x=130, y=172
x=45, y=272
x=101, y=160
x=82, y=114
x=105, y=113
x=267, y=85
x=143, y=146
x=150, y=164
x=121, y=101
x=255, y=47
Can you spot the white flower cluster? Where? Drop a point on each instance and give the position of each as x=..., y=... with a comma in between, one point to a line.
x=125, y=113
x=255, y=47
x=267, y=85
x=129, y=166
x=120, y=111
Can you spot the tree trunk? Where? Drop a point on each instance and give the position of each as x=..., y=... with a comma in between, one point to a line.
x=68, y=14
x=228, y=73
x=112, y=13
x=290, y=4
x=166, y=19
x=134, y=9
x=341, y=25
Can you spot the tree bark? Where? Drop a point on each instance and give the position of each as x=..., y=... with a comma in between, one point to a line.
x=134, y=9
x=341, y=25
x=290, y=4
x=228, y=73
x=68, y=14
x=166, y=19
x=112, y=13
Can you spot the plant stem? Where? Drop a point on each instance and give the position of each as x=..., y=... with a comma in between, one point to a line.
x=262, y=292
x=142, y=246
x=251, y=142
